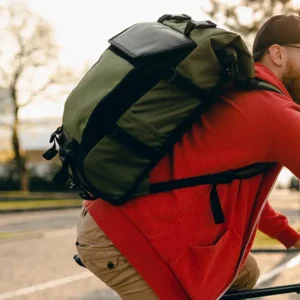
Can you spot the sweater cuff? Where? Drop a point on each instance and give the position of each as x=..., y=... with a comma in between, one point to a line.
x=288, y=237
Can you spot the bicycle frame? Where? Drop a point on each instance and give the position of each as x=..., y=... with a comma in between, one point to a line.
x=263, y=292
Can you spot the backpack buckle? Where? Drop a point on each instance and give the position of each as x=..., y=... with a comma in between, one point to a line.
x=54, y=135
x=51, y=153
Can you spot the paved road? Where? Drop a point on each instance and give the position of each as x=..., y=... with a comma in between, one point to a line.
x=42, y=264
x=46, y=220
x=39, y=264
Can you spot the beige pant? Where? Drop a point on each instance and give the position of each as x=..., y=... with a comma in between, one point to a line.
x=103, y=259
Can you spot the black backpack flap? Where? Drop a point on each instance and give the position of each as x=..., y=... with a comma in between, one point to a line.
x=146, y=40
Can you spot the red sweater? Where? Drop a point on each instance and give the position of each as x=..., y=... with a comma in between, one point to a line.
x=171, y=238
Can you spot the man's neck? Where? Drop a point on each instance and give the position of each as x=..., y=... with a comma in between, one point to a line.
x=275, y=70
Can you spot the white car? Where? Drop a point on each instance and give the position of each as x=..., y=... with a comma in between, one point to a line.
x=286, y=179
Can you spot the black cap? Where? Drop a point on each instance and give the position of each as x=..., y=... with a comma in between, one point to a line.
x=281, y=30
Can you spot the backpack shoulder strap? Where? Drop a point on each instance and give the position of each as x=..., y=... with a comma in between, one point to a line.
x=256, y=83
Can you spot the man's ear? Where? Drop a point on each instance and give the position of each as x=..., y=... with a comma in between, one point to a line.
x=277, y=55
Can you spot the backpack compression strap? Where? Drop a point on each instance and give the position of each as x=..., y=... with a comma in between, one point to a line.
x=214, y=179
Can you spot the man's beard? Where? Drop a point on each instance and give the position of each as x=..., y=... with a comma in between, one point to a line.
x=294, y=89
x=291, y=80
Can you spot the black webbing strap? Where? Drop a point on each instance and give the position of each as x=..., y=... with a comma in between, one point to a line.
x=215, y=179
x=216, y=207
x=185, y=84
x=257, y=84
x=63, y=175
x=132, y=142
x=194, y=181
x=108, y=111
x=189, y=182
x=220, y=178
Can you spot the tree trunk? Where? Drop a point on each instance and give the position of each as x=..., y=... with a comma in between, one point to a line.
x=19, y=159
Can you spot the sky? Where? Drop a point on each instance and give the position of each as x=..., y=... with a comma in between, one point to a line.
x=83, y=27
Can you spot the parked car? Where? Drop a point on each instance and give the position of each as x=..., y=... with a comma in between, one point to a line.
x=284, y=179
x=294, y=183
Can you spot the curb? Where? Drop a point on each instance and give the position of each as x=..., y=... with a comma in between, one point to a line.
x=36, y=234
x=20, y=210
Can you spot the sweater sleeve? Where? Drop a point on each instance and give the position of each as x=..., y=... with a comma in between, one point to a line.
x=283, y=148
x=275, y=225
x=284, y=134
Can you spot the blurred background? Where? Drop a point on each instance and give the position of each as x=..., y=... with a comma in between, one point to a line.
x=46, y=47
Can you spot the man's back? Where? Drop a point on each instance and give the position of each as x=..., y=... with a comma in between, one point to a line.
x=235, y=132
x=172, y=242
x=179, y=225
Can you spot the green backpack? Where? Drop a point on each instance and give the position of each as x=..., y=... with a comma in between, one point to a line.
x=147, y=89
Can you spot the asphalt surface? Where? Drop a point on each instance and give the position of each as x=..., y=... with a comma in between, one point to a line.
x=41, y=261
x=46, y=220
x=36, y=252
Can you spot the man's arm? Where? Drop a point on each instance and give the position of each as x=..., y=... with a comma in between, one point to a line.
x=284, y=135
x=275, y=225
x=284, y=148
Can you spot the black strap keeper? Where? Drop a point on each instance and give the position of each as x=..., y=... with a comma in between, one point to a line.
x=63, y=175
x=51, y=153
x=216, y=206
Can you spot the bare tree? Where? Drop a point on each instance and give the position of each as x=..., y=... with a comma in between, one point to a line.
x=29, y=68
x=246, y=16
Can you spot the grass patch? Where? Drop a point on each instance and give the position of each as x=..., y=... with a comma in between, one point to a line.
x=11, y=235
x=5, y=235
x=13, y=205
x=263, y=240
